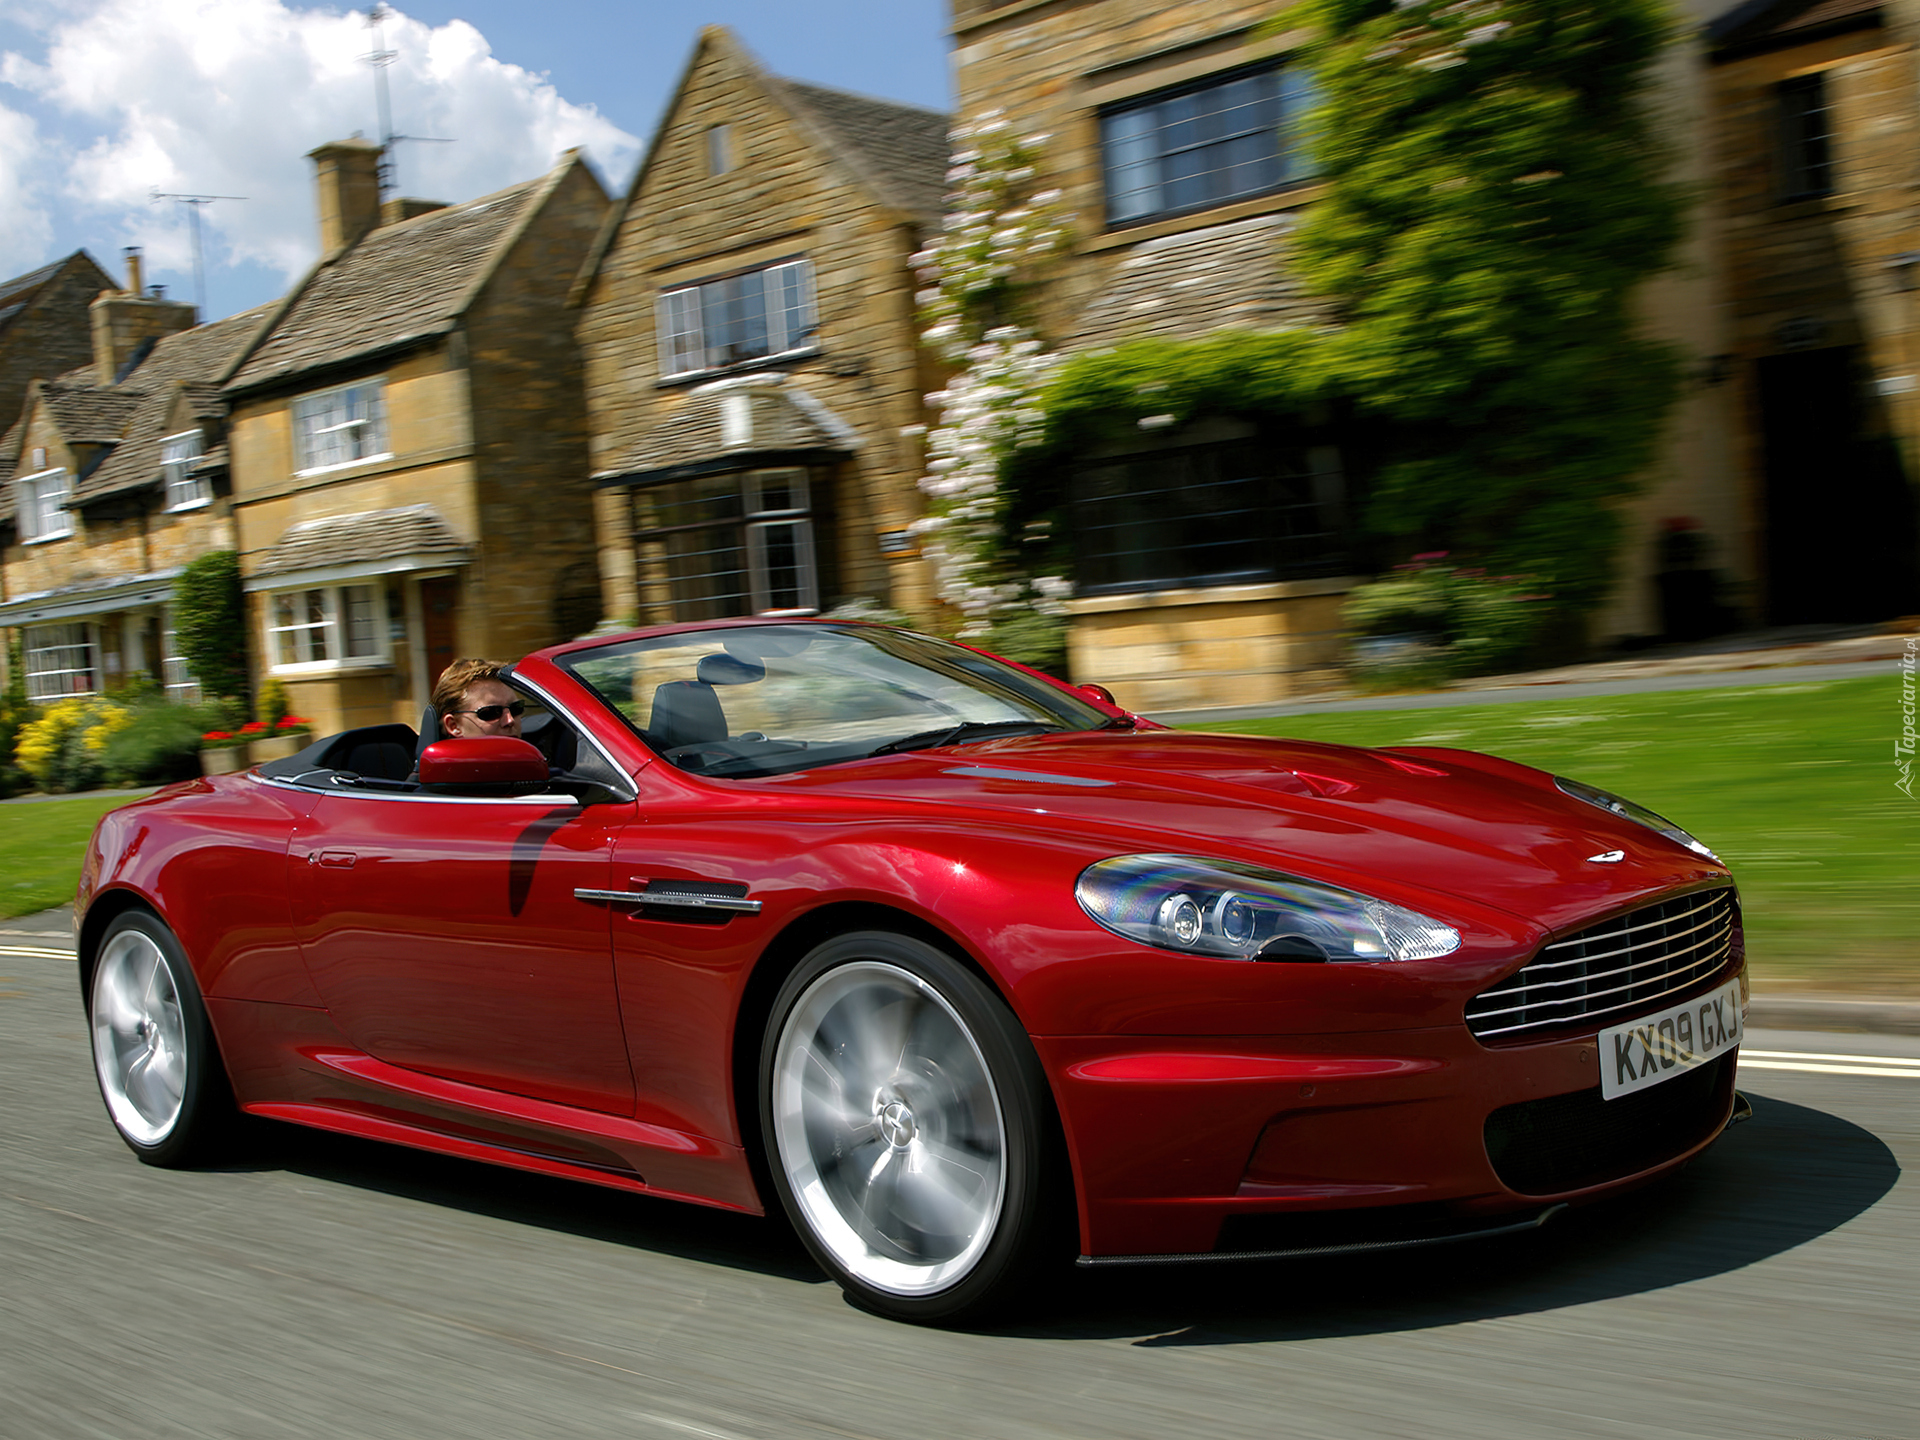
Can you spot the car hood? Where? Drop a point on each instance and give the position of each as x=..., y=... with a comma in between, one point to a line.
x=1406, y=826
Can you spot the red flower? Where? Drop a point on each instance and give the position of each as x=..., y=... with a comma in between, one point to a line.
x=217, y=735
x=293, y=722
x=254, y=727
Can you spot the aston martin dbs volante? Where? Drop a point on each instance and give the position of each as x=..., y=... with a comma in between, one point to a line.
x=962, y=967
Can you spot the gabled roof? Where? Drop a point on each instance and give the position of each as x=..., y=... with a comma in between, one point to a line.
x=400, y=285
x=899, y=150
x=895, y=151
x=18, y=294
x=186, y=362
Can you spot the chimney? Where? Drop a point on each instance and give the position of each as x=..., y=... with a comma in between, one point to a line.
x=405, y=207
x=126, y=323
x=346, y=175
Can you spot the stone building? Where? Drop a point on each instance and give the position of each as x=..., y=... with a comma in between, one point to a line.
x=119, y=477
x=45, y=329
x=1814, y=118
x=409, y=442
x=754, y=379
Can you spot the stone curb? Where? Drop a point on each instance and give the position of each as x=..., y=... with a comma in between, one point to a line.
x=1866, y=1014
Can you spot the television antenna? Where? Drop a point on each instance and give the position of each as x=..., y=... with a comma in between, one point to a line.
x=193, y=204
x=380, y=58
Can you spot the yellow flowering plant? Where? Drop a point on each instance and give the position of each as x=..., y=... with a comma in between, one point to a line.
x=64, y=749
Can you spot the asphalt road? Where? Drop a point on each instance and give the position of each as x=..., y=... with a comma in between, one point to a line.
x=329, y=1287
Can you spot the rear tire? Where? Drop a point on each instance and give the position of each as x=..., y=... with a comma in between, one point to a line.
x=908, y=1128
x=154, y=1054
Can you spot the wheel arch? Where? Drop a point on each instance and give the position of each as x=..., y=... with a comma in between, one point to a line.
x=106, y=907
x=778, y=960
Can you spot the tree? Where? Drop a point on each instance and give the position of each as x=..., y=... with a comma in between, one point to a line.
x=210, y=623
x=1495, y=195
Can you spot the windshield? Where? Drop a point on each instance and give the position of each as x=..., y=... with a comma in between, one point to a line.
x=762, y=700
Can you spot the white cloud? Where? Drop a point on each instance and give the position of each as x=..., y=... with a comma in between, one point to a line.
x=226, y=97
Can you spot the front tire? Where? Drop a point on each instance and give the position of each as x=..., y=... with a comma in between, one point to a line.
x=153, y=1048
x=908, y=1128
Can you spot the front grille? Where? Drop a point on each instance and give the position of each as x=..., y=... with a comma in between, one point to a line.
x=1568, y=1142
x=1612, y=969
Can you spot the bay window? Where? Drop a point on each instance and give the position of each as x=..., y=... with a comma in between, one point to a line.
x=326, y=626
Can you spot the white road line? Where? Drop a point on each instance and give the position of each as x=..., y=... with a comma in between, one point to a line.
x=1809, y=1062
x=35, y=953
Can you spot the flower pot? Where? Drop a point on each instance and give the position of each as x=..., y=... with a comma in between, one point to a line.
x=223, y=759
x=273, y=747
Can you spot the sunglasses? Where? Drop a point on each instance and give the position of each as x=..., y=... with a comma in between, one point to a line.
x=490, y=713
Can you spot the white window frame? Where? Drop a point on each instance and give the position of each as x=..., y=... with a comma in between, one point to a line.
x=54, y=682
x=344, y=426
x=329, y=638
x=184, y=491
x=181, y=684
x=38, y=503
x=688, y=345
x=719, y=148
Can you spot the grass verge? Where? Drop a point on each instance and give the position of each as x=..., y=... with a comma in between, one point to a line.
x=41, y=847
x=1792, y=785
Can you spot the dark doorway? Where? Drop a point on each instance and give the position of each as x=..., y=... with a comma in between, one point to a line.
x=1841, y=542
x=439, y=598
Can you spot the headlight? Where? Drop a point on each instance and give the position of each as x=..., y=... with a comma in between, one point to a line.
x=1218, y=907
x=1627, y=810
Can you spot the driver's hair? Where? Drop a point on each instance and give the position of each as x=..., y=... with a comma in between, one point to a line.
x=454, y=680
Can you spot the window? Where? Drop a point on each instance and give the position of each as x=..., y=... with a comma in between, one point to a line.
x=41, y=501
x=743, y=317
x=327, y=625
x=1234, y=512
x=181, y=686
x=719, y=149
x=177, y=454
x=1806, y=138
x=60, y=661
x=341, y=427
x=741, y=543
x=1201, y=145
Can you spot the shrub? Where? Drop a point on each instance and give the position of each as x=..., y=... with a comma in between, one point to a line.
x=160, y=744
x=210, y=622
x=273, y=702
x=65, y=749
x=15, y=714
x=1428, y=622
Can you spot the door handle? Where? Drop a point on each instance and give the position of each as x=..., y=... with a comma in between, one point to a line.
x=332, y=859
x=709, y=896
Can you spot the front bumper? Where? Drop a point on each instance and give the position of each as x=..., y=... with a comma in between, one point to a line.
x=1199, y=1145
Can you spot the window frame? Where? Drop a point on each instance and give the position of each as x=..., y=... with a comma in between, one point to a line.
x=333, y=629
x=88, y=642
x=369, y=429
x=39, y=520
x=1292, y=96
x=743, y=532
x=692, y=344
x=1805, y=151
x=181, y=490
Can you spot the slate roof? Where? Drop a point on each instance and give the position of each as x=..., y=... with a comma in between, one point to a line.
x=143, y=403
x=734, y=424
x=408, y=537
x=88, y=414
x=1766, y=24
x=399, y=284
x=1180, y=287
x=899, y=150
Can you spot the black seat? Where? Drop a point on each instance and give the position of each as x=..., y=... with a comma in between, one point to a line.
x=685, y=712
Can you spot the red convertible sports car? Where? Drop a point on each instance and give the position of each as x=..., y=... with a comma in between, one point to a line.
x=961, y=967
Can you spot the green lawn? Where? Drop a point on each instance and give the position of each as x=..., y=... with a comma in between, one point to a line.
x=41, y=846
x=1792, y=785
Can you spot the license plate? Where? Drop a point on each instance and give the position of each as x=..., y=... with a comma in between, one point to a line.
x=1658, y=1047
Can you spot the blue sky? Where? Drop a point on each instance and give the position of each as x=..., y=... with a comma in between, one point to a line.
x=103, y=102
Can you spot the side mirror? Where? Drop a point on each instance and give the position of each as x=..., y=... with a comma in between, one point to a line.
x=1100, y=693
x=494, y=763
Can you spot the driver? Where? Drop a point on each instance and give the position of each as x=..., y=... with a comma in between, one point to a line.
x=472, y=700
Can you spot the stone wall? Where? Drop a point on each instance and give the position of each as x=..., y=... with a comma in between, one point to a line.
x=51, y=336
x=784, y=197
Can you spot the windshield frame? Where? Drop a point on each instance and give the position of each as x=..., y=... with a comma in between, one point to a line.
x=917, y=685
